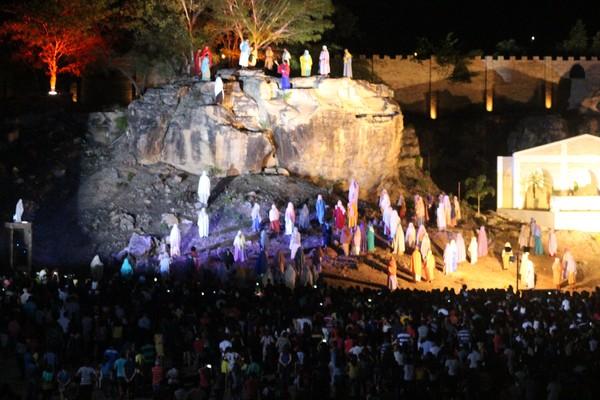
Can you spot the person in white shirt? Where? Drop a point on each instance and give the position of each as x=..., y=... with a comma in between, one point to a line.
x=474, y=359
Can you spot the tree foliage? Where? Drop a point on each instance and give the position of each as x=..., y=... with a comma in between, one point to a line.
x=508, y=47
x=452, y=61
x=577, y=41
x=63, y=36
x=478, y=188
x=265, y=22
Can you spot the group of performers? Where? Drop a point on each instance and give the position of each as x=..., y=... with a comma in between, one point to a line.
x=203, y=59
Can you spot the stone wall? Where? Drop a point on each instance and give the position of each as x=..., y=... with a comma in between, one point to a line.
x=497, y=82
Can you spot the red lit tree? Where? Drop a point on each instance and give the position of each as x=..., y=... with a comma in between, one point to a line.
x=62, y=36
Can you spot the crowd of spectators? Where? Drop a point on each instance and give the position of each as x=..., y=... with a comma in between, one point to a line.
x=152, y=337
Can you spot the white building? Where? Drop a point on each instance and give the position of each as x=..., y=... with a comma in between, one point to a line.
x=556, y=183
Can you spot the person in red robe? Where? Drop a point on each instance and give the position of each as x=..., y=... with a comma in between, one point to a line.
x=339, y=215
x=198, y=56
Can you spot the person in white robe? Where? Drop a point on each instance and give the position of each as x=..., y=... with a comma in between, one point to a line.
x=552, y=243
x=447, y=259
x=239, y=247
x=473, y=250
x=274, y=218
x=410, y=236
x=304, y=220
x=384, y=200
x=255, y=215
x=421, y=232
x=387, y=217
x=219, y=92
x=290, y=218
x=523, y=237
x=295, y=242
x=324, y=69
x=203, y=223
x=398, y=246
x=96, y=268
x=245, y=50
x=175, y=241
x=441, y=217
x=461, y=248
x=18, y=216
x=394, y=222
x=529, y=271
x=447, y=209
x=454, y=254
x=353, y=192
x=290, y=276
x=164, y=265
x=203, y=188
x=425, y=246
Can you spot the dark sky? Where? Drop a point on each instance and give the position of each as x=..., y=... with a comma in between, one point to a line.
x=392, y=26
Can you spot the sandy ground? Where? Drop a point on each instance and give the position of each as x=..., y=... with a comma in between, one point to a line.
x=487, y=273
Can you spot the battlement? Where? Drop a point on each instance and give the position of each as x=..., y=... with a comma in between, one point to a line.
x=493, y=81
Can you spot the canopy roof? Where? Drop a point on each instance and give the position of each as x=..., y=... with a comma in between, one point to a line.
x=584, y=145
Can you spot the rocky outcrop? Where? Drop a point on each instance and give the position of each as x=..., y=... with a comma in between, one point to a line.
x=329, y=128
x=537, y=130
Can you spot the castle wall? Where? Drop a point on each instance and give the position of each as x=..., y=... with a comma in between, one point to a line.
x=495, y=82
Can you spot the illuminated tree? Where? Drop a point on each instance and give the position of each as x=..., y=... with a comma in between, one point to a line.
x=264, y=22
x=62, y=36
x=478, y=188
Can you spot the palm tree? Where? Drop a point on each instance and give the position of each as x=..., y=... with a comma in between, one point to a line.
x=535, y=180
x=478, y=188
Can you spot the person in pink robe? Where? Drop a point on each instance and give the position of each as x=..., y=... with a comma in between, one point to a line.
x=482, y=243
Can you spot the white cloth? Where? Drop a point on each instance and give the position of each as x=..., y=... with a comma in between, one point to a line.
x=290, y=219
x=353, y=192
x=529, y=274
x=473, y=249
x=552, y=243
x=394, y=223
x=239, y=247
x=203, y=188
x=398, y=243
x=255, y=213
x=295, y=243
x=164, y=264
x=17, y=217
x=384, y=200
x=441, y=217
x=387, y=217
x=324, y=62
x=274, y=214
x=218, y=86
x=175, y=241
x=244, y=53
x=203, y=223
x=96, y=262
x=410, y=236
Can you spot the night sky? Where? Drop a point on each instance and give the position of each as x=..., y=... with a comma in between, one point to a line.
x=392, y=26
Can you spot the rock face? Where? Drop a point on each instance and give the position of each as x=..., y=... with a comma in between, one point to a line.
x=330, y=128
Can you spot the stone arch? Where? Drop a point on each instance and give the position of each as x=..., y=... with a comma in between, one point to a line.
x=577, y=72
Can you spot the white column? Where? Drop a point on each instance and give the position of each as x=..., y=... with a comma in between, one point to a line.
x=499, y=182
x=517, y=200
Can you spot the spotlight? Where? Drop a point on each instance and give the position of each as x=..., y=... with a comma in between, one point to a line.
x=321, y=304
x=53, y=93
x=208, y=366
x=155, y=279
x=315, y=286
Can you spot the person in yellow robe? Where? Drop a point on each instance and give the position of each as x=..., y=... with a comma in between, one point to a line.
x=507, y=253
x=305, y=63
x=416, y=265
x=557, y=273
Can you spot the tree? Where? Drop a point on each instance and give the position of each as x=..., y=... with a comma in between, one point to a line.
x=62, y=36
x=509, y=47
x=191, y=11
x=577, y=41
x=148, y=33
x=595, y=46
x=265, y=22
x=452, y=62
x=478, y=188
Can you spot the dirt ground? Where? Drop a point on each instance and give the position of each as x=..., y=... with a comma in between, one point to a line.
x=487, y=273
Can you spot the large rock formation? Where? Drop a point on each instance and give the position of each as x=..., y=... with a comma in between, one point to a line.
x=329, y=128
